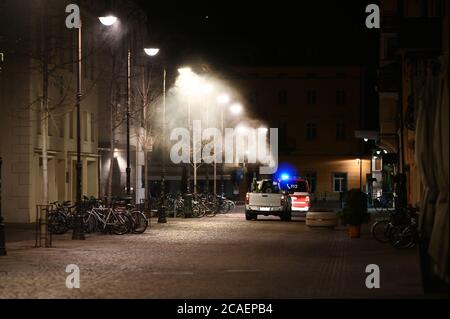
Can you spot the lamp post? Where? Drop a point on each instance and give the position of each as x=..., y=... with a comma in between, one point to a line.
x=78, y=233
x=162, y=214
x=186, y=73
x=222, y=99
x=128, y=169
x=205, y=90
x=109, y=21
x=2, y=225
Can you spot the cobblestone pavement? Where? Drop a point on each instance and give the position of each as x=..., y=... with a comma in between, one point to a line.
x=220, y=257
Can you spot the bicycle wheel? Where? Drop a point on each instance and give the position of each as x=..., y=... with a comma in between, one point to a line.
x=120, y=224
x=402, y=237
x=232, y=206
x=140, y=222
x=380, y=231
x=57, y=223
x=89, y=223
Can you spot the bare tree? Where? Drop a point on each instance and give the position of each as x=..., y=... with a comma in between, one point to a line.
x=146, y=133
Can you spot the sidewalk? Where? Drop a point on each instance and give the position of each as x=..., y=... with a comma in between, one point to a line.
x=221, y=257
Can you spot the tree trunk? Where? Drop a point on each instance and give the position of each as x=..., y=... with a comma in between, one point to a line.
x=44, y=123
x=146, y=185
x=111, y=163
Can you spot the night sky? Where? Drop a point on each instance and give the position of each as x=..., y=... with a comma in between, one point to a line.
x=254, y=32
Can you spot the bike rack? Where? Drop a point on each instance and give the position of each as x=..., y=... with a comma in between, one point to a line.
x=43, y=235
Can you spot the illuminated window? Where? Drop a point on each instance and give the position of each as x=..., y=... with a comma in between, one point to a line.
x=339, y=182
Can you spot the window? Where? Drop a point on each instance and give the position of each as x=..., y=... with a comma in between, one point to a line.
x=92, y=128
x=311, y=97
x=340, y=97
x=60, y=125
x=39, y=122
x=311, y=131
x=282, y=136
x=311, y=177
x=50, y=126
x=85, y=125
x=71, y=125
x=377, y=164
x=339, y=182
x=282, y=97
x=340, y=131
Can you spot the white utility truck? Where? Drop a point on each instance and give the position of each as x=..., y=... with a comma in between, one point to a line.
x=266, y=199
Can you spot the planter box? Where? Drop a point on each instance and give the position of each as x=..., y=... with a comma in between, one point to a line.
x=322, y=219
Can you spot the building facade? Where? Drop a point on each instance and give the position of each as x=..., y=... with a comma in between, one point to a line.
x=316, y=110
x=38, y=56
x=413, y=95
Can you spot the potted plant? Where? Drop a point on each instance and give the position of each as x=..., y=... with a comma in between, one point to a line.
x=355, y=212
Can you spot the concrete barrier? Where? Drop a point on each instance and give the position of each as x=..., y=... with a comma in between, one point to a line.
x=322, y=219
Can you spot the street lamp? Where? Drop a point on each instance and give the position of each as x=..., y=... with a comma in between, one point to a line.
x=151, y=51
x=109, y=21
x=207, y=89
x=78, y=233
x=222, y=99
x=236, y=109
x=162, y=216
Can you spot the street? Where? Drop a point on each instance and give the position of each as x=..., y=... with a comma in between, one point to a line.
x=220, y=257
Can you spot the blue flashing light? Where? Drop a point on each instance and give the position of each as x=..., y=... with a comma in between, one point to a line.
x=284, y=176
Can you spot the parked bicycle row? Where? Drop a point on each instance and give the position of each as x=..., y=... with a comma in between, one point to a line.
x=121, y=218
x=118, y=218
x=399, y=228
x=176, y=205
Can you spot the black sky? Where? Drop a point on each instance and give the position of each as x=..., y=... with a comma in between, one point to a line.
x=256, y=32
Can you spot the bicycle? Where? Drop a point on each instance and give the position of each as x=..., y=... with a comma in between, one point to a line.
x=406, y=235
x=399, y=228
x=60, y=219
x=106, y=220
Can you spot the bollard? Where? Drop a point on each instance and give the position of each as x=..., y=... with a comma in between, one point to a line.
x=162, y=212
x=187, y=205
